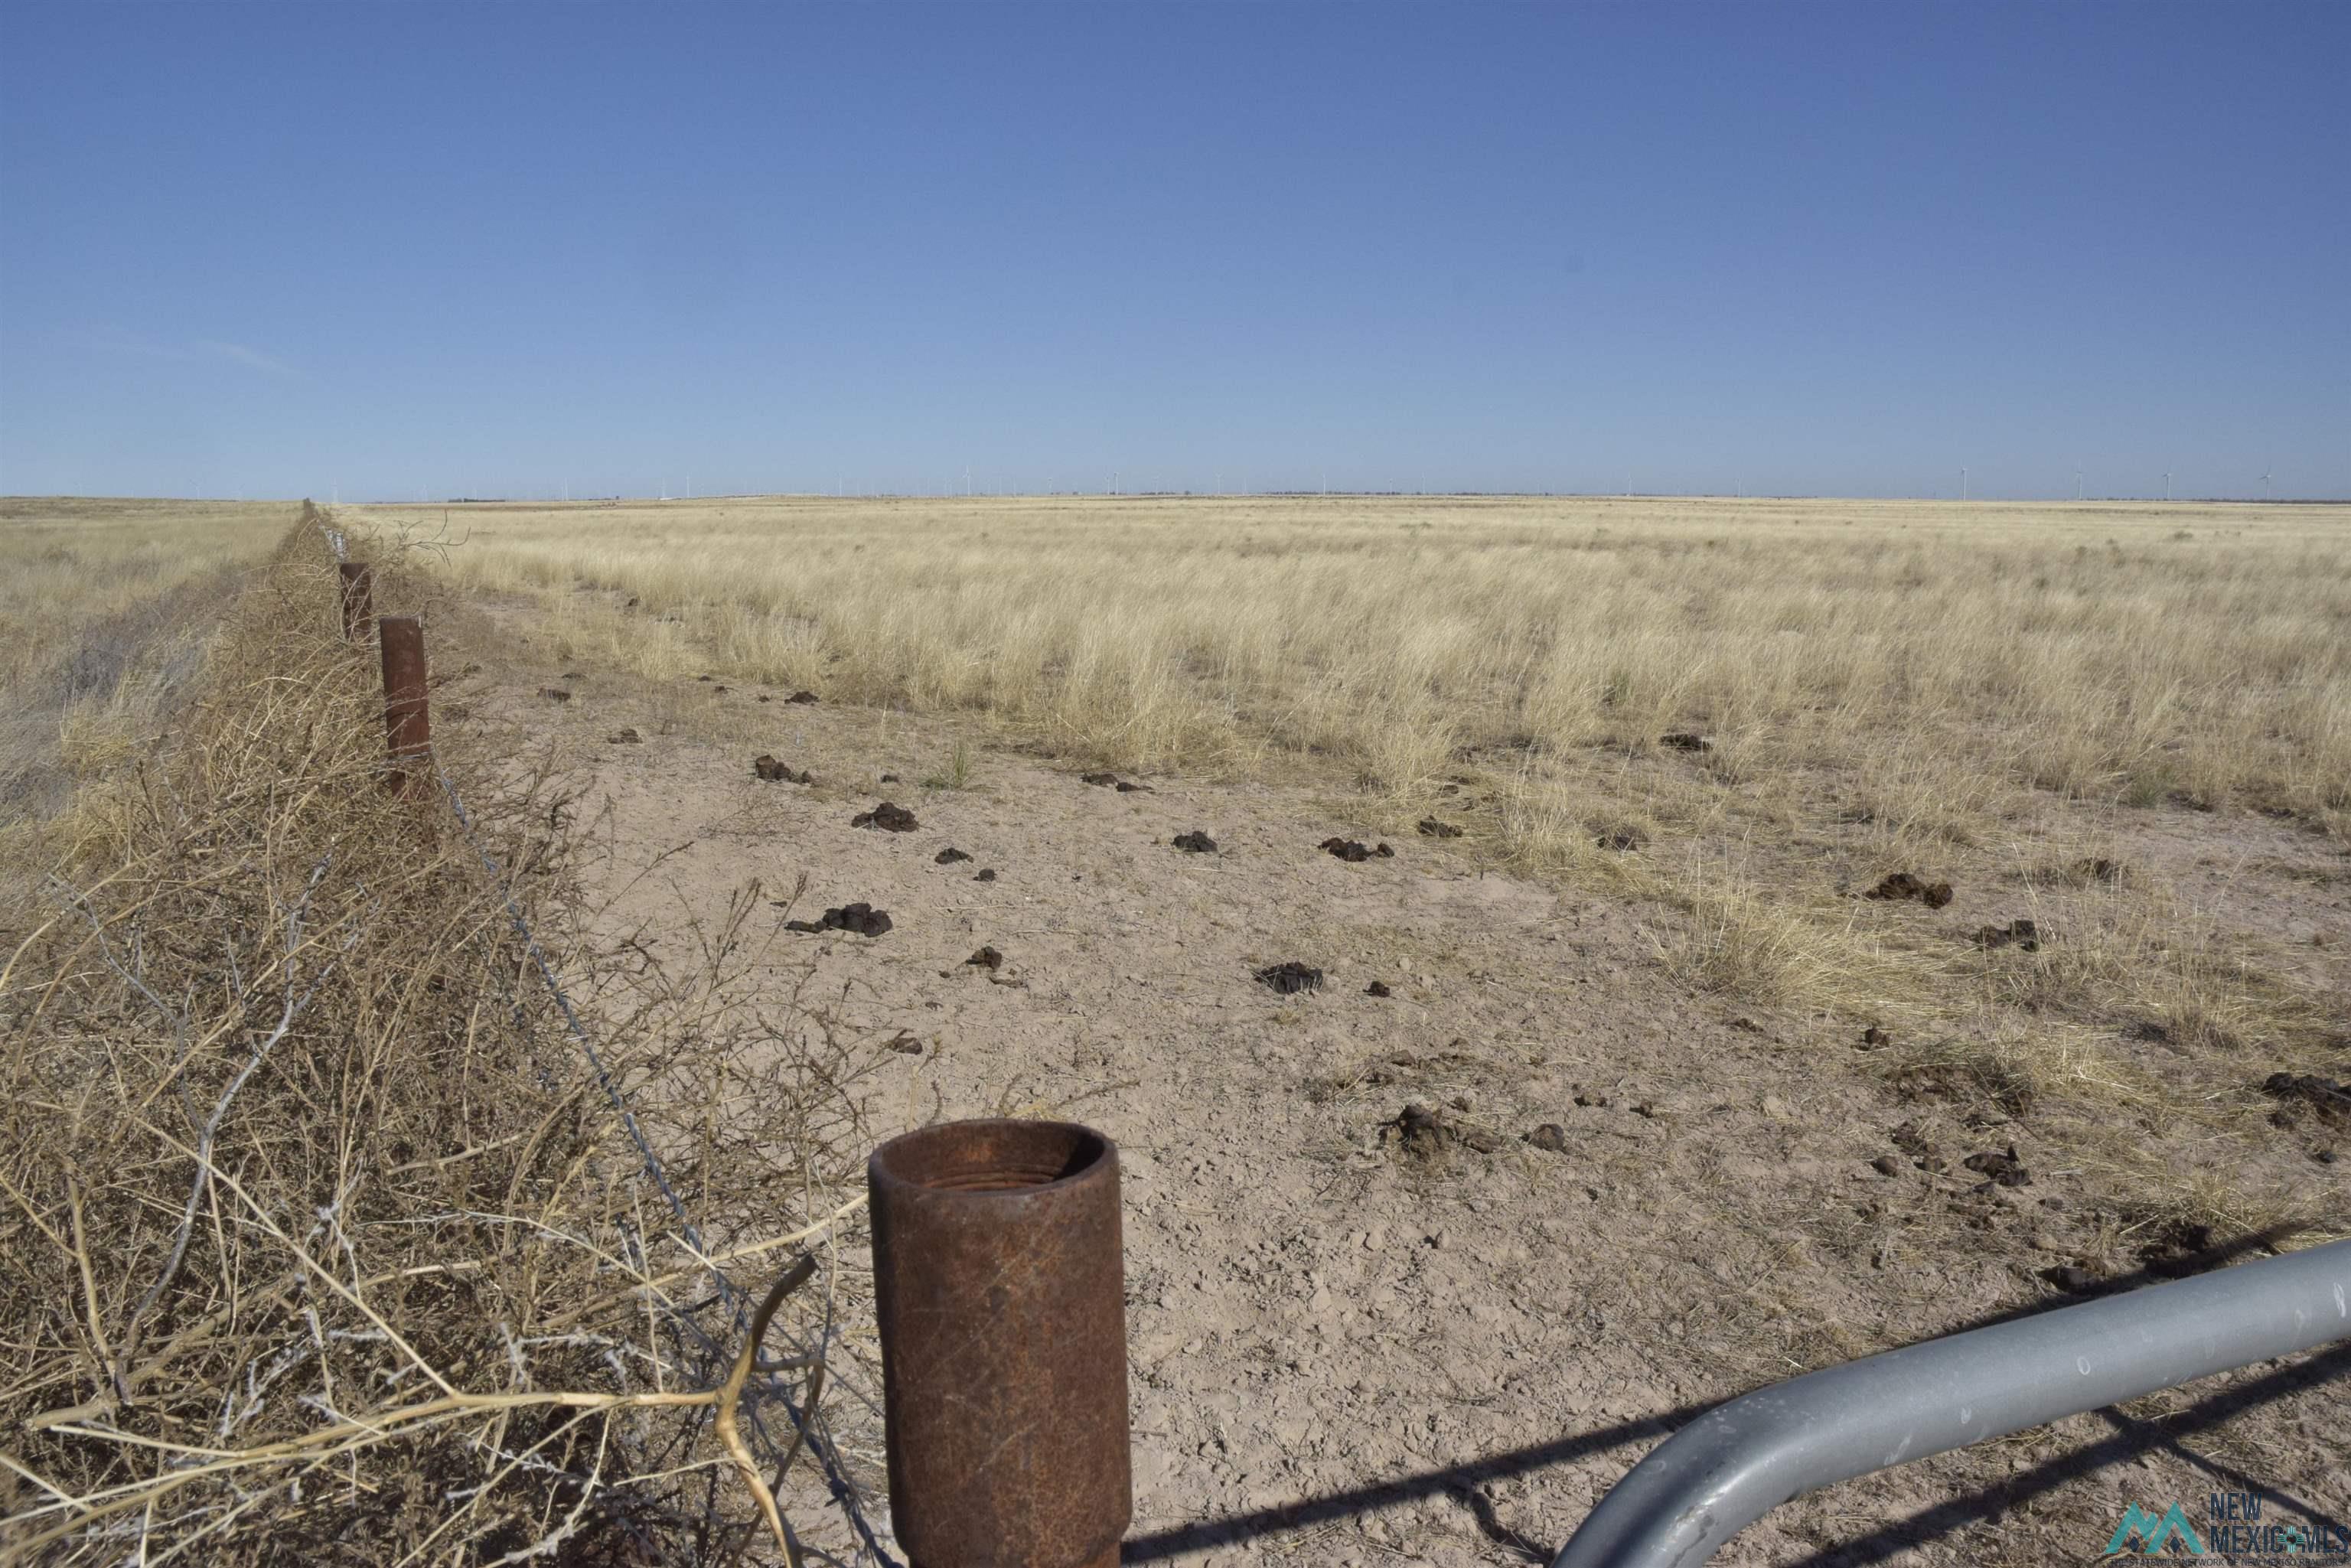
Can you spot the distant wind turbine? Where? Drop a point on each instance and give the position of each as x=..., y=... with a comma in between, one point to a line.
x=2167, y=484
x=2265, y=479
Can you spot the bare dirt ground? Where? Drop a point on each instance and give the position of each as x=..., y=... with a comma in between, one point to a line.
x=1358, y=1335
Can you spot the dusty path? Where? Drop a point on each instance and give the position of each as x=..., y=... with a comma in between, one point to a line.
x=1350, y=1346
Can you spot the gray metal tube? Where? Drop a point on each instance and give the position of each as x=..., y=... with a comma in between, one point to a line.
x=1739, y=1462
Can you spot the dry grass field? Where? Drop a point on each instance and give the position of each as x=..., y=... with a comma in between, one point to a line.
x=2130, y=723
x=103, y=605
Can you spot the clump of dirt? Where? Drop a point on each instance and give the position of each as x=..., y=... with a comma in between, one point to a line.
x=986, y=873
x=862, y=919
x=2330, y=1102
x=2074, y=1281
x=2003, y=1169
x=1355, y=854
x=1683, y=740
x=803, y=698
x=1195, y=844
x=949, y=856
x=1431, y=828
x=1422, y=1134
x=1112, y=781
x=1622, y=837
x=1291, y=977
x=555, y=694
x=890, y=819
x=986, y=958
x=1378, y=988
x=1550, y=1137
x=1903, y=884
x=625, y=736
x=768, y=767
x=2023, y=935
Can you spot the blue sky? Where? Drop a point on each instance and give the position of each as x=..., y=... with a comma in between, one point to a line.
x=401, y=250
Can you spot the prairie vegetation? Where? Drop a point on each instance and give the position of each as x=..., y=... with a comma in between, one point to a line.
x=322, y=1240
x=103, y=608
x=2008, y=697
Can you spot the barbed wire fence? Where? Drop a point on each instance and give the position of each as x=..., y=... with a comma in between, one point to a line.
x=766, y=1391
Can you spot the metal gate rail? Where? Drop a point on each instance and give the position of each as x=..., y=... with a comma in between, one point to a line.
x=1741, y=1461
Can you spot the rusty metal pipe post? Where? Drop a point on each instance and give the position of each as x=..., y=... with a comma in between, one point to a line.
x=407, y=721
x=1000, y=1288
x=358, y=600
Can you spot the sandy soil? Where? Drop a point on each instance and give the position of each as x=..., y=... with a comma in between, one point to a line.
x=1349, y=1345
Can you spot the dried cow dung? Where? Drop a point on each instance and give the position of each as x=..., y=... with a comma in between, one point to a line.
x=987, y=958
x=890, y=819
x=1291, y=977
x=1195, y=844
x=768, y=767
x=1355, y=854
x=1430, y=827
x=626, y=737
x=1683, y=740
x=1424, y=1132
x=2020, y=934
x=1903, y=884
x=2331, y=1100
x=948, y=856
x=803, y=698
x=2005, y=1169
x=860, y=919
x=555, y=694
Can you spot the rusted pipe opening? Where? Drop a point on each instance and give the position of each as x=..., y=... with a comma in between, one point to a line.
x=999, y=1287
x=992, y=1156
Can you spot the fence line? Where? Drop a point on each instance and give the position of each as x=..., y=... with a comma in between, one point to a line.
x=808, y=1422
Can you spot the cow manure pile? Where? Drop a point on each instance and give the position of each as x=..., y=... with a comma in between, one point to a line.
x=1353, y=853
x=1289, y=978
x=2000, y=1169
x=2330, y=1103
x=1903, y=884
x=888, y=818
x=768, y=767
x=2023, y=935
x=949, y=856
x=1422, y=1133
x=1195, y=844
x=862, y=919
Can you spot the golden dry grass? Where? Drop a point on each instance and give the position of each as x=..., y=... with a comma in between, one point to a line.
x=104, y=605
x=1990, y=693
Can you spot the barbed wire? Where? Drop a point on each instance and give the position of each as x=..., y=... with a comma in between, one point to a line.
x=808, y=1422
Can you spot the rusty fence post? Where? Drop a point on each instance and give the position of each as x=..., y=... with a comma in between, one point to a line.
x=358, y=600
x=407, y=722
x=1000, y=1286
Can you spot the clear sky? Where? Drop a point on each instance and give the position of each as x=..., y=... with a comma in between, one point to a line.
x=385, y=250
